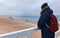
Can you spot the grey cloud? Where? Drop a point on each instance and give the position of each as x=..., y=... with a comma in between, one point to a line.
x=26, y=7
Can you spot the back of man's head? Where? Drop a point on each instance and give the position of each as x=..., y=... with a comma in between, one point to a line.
x=44, y=5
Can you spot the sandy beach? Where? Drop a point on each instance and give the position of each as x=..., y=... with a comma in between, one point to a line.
x=8, y=25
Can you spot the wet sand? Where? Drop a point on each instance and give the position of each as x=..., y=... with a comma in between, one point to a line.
x=8, y=25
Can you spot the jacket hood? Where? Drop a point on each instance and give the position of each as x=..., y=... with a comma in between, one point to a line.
x=50, y=11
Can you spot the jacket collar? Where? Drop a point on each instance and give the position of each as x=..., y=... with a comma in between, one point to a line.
x=44, y=9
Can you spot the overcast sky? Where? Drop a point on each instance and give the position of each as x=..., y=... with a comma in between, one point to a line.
x=26, y=7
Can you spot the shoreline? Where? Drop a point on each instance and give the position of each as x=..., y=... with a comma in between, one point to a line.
x=7, y=25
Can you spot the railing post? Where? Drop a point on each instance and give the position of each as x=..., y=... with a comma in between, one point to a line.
x=28, y=35
x=55, y=35
x=59, y=37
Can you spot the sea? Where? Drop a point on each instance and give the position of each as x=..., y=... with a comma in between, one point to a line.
x=30, y=18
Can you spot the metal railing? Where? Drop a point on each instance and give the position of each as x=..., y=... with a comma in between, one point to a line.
x=26, y=32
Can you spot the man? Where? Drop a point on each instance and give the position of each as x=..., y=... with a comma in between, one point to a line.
x=45, y=19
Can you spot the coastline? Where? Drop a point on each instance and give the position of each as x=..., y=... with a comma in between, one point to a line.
x=8, y=25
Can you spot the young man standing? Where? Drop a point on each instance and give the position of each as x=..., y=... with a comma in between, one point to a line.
x=45, y=19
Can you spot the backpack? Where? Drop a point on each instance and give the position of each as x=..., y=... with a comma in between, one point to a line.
x=53, y=23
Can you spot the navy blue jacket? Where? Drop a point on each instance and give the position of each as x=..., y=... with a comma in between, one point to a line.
x=44, y=18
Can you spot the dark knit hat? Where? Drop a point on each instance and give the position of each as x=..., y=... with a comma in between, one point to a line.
x=44, y=5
